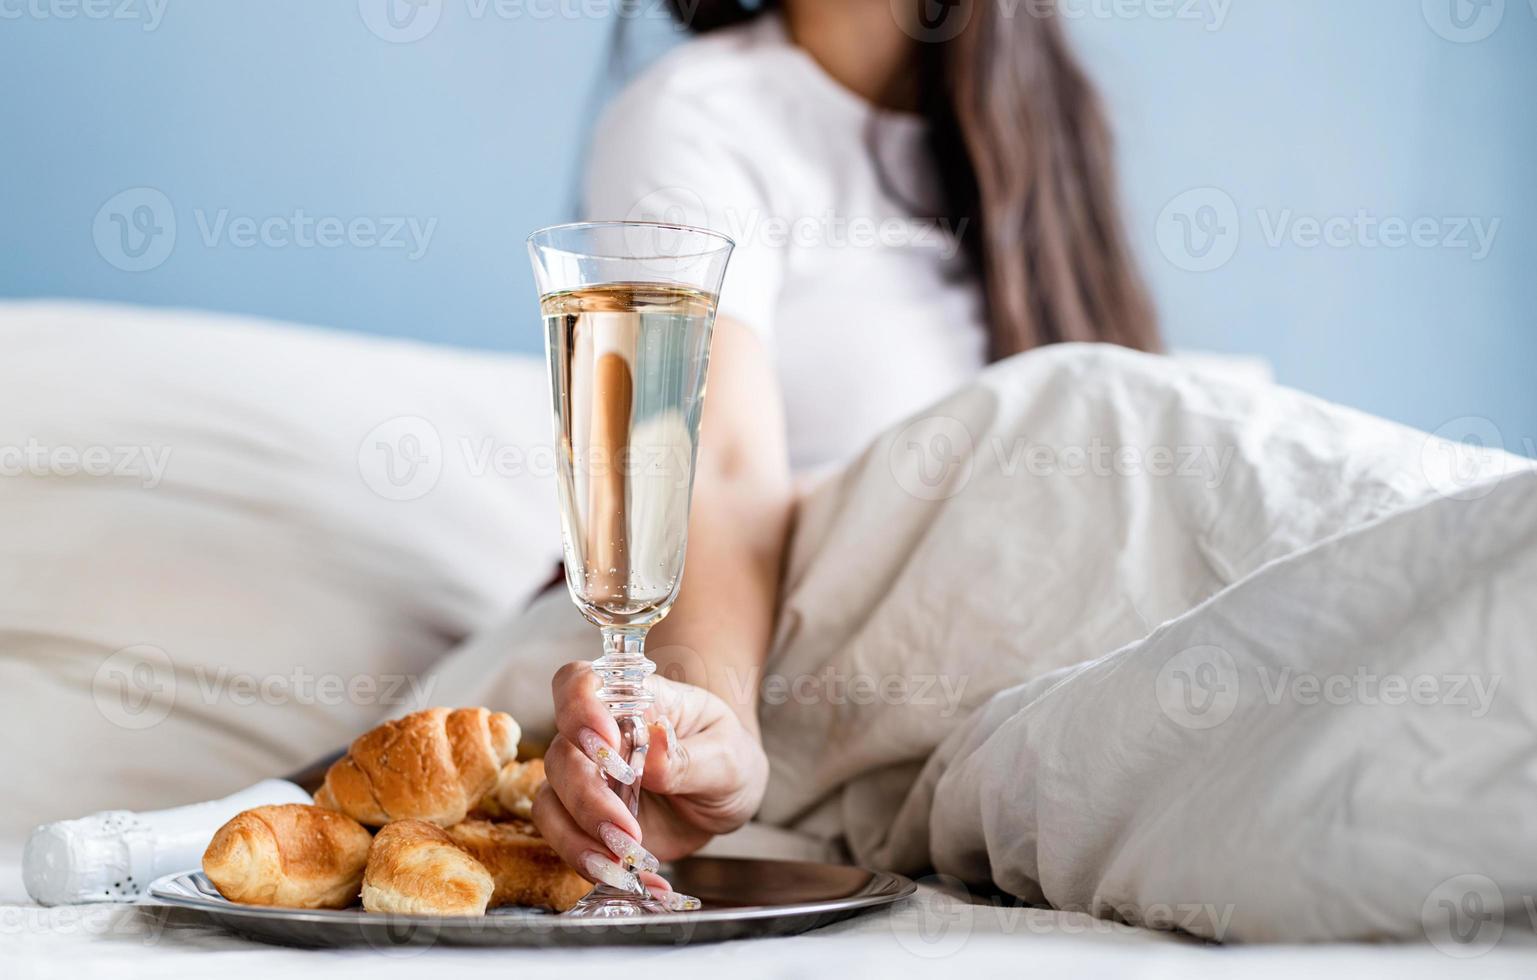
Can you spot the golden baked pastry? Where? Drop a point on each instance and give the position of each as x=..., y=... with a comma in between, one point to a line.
x=431, y=765
x=293, y=856
x=325, y=800
x=415, y=868
x=526, y=869
x=513, y=795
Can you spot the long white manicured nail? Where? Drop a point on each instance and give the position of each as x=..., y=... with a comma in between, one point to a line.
x=605, y=870
x=607, y=759
x=627, y=849
x=677, y=901
x=675, y=750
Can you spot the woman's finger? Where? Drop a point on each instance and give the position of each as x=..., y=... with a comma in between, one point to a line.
x=585, y=720
x=708, y=763
x=667, y=759
x=575, y=688
x=575, y=847
x=579, y=784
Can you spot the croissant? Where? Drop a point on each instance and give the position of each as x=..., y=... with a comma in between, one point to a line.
x=525, y=868
x=415, y=868
x=293, y=855
x=513, y=794
x=431, y=765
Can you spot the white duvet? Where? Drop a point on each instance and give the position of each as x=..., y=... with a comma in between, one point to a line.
x=1125, y=638
x=1099, y=630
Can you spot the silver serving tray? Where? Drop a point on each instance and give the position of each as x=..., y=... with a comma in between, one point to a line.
x=742, y=898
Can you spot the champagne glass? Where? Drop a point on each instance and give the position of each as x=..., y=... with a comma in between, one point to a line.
x=628, y=311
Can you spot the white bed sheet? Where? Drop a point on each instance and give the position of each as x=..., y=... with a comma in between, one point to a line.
x=931, y=935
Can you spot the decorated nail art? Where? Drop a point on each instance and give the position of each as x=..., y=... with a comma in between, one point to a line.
x=607, y=759
x=677, y=901
x=605, y=870
x=627, y=849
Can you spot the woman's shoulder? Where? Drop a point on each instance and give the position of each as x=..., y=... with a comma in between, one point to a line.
x=711, y=128
x=731, y=74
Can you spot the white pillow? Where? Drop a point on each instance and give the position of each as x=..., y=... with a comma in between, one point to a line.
x=227, y=546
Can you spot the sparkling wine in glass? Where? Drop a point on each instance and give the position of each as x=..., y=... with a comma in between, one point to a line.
x=628, y=310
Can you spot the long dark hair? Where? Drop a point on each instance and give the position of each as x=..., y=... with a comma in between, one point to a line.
x=1025, y=158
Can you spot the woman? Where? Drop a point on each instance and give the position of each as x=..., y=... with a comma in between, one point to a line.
x=911, y=198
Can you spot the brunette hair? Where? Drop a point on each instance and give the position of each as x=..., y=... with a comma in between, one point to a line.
x=1025, y=160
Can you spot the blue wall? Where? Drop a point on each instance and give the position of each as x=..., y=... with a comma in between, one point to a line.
x=1237, y=118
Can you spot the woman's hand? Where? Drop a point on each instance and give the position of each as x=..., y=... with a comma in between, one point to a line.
x=704, y=775
x=705, y=769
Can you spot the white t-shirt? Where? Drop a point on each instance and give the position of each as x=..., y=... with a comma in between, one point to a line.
x=863, y=299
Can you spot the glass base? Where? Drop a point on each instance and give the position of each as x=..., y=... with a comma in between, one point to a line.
x=604, y=902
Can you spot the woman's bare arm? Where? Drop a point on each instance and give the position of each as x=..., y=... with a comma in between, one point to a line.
x=719, y=630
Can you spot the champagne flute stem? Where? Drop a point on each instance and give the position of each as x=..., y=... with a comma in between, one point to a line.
x=623, y=668
x=634, y=739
